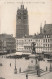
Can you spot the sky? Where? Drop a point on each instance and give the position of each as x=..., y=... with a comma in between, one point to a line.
x=39, y=11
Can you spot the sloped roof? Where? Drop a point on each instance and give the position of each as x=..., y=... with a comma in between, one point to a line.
x=47, y=29
x=4, y=36
x=38, y=36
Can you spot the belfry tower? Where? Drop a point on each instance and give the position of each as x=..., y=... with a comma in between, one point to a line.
x=22, y=28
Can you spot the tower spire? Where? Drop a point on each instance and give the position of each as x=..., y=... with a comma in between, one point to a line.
x=41, y=25
x=22, y=6
x=22, y=2
x=41, y=28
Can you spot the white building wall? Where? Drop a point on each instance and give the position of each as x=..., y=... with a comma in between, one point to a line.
x=42, y=44
x=27, y=44
x=19, y=44
x=24, y=44
x=47, y=43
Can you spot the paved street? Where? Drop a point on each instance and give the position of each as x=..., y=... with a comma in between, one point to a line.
x=7, y=71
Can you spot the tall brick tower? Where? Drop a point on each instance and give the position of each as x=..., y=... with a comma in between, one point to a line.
x=22, y=27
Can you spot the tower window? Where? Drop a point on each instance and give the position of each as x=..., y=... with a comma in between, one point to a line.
x=19, y=17
x=29, y=40
x=24, y=17
x=48, y=45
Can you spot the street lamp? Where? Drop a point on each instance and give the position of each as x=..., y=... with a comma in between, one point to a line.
x=50, y=64
x=15, y=70
x=50, y=60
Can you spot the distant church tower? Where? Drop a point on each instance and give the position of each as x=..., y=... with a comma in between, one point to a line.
x=22, y=28
x=41, y=29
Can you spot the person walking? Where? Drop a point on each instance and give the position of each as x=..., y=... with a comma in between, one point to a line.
x=10, y=64
x=46, y=68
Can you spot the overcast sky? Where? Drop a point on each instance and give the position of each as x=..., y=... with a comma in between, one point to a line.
x=38, y=12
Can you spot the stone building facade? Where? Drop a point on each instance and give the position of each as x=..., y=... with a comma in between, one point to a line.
x=47, y=37
x=24, y=44
x=47, y=43
x=38, y=39
x=7, y=43
x=47, y=29
x=43, y=40
x=20, y=44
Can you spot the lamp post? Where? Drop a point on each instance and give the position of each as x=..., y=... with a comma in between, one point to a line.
x=50, y=64
x=38, y=69
x=50, y=67
x=15, y=70
x=50, y=60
